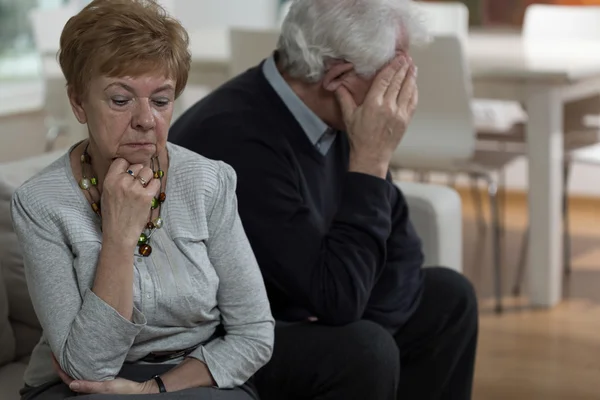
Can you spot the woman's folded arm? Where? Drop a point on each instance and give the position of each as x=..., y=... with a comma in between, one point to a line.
x=89, y=337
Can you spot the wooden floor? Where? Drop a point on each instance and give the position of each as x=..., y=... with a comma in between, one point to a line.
x=537, y=354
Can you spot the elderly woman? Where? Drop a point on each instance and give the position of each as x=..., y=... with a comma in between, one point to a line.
x=138, y=266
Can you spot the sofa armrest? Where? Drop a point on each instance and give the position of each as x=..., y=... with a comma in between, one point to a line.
x=436, y=213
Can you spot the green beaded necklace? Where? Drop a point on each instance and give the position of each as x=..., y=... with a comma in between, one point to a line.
x=86, y=183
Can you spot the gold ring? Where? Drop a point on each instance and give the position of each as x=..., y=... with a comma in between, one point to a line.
x=142, y=181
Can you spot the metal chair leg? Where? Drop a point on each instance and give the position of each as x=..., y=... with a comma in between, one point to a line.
x=522, y=262
x=566, y=229
x=452, y=180
x=55, y=129
x=496, y=241
x=478, y=204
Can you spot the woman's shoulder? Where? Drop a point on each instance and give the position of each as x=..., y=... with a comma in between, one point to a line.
x=50, y=184
x=50, y=194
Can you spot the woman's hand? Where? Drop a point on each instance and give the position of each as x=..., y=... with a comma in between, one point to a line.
x=125, y=202
x=115, y=386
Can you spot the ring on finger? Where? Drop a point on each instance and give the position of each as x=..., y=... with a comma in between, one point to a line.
x=130, y=172
x=142, y=181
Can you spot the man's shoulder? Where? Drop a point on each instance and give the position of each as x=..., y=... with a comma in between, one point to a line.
x=242, y=98
x=241, y=110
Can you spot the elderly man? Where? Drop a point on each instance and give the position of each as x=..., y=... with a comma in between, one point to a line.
x=310, y=132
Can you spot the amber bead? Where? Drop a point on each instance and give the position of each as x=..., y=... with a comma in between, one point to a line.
x=96, y=208
x=145, y=250
x=162, y=197
x=154, y=203
x=143, y=239
x=150, y=225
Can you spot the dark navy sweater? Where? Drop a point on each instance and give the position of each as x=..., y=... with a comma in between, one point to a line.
x=332, y=244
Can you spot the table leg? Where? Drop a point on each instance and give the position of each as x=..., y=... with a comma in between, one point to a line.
x=545, y=144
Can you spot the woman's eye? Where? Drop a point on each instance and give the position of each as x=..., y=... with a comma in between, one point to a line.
x=120, y=102
x=161, y=102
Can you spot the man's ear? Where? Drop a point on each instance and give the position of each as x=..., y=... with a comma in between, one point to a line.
x=335, y=75
x=77, y=106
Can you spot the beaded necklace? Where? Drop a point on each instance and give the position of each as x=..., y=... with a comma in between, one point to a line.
x=86, y=183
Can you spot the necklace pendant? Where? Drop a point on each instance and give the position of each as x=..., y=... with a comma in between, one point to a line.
x=84, y=183
x=145, y=250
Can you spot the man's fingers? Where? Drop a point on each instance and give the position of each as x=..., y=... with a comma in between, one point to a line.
x=414, y=100
x=384, y=78
x=346, y=101
x=408, y=88
x=398, y=82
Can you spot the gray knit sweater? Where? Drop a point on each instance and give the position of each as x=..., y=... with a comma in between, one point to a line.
x=202, y=273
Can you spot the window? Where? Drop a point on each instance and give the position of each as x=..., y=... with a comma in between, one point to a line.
x=18, y=57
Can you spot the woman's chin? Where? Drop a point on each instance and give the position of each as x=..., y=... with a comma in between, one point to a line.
x=138, y=154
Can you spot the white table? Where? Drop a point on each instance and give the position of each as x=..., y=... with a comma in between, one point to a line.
x=542, y=76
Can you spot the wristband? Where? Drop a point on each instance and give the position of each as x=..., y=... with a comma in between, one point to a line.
x=161, y=384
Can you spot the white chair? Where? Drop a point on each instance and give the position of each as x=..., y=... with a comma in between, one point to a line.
x=441, y=136
x=445, y=17
x=47, y=26
x=284, y=8
x=208, y=14
x=452, y=18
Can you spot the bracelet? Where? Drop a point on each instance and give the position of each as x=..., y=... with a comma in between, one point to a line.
x=161, y=384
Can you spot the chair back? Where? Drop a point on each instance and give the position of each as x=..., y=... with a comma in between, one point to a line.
x=546, y=22
x=205, y=14
x=442, y=129
x=284, y=9
x=47, y=26
x=445, y=18
x=250, y=46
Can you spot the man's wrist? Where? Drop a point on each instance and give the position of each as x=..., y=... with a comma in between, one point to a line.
x=369, y=167
x=379, y=171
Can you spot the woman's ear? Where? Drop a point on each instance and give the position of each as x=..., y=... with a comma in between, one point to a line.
x=335, y=75
x=77, y=106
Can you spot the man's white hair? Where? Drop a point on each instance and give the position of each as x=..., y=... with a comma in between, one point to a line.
x=362, y=32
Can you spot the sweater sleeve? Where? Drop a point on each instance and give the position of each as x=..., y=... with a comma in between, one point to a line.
x=397, y=292
x=89, y=339
x=329, y=272
x=242, y=299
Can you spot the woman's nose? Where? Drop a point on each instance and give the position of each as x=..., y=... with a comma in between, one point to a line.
x=143, y=118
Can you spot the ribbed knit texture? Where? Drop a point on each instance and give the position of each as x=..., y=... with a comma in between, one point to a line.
x=201, y=273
